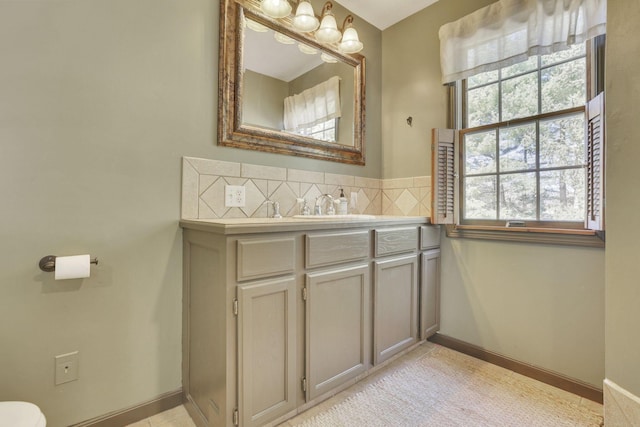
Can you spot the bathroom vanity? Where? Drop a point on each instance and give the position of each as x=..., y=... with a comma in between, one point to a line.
x=280, y=314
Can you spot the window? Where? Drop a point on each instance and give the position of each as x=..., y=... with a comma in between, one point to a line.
x=529, y=157
x=523, y=149
x=325, y=131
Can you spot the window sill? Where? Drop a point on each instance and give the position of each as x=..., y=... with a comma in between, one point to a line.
x=570, y=237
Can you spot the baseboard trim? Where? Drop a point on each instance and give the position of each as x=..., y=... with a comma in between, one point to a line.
x=136, y=413
x=549, y=377
x=621, y=407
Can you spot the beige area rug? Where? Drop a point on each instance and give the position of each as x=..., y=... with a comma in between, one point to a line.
x=447, y=388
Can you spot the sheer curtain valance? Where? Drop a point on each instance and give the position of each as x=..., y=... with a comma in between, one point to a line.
x=509, y=31
x=313, y=106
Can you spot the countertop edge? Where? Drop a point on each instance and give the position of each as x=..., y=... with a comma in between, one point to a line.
x=264, y=225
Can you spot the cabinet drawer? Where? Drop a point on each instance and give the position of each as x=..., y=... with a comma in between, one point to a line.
x=259, y=258
x=326, y=249
x=396, y=240
x=429, y=236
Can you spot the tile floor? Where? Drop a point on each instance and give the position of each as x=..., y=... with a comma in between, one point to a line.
x=178, y=417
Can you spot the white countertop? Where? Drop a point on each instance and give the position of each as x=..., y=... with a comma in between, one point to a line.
x=267, y=225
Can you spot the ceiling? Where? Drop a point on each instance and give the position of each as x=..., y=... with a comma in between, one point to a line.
x=285, y=62
x=384, y=13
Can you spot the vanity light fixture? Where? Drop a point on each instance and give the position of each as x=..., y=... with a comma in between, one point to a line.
x=328, y=31
x=306, y=49
x=328, y=58
x=325, y=29
x=276, y=8
x=282, y=38
x=350, y=42
x=255, y=26
x=305, y=20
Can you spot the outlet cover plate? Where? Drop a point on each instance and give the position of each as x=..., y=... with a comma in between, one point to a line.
x=67, y=367
x=234, y=196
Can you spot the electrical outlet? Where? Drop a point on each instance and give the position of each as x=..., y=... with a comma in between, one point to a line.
x=67, y=367
x=354, y=198
x=234, y=196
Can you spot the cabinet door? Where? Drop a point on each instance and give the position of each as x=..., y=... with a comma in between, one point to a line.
x=395, y=315
x=430, y=293
x=267, y=382
x=338, y=327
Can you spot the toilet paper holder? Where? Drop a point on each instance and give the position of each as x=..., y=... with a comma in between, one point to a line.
x=48, y=263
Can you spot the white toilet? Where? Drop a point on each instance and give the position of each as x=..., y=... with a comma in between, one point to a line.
x=21, y=414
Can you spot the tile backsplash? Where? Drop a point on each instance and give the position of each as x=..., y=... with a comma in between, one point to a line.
x=204, y=181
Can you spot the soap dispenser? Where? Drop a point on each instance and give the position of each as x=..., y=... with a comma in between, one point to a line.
x=342, y=203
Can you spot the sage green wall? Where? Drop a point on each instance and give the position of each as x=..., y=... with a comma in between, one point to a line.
x=412, y=87
x=100, y=100
x=623, y=195
x=538, y=304
x=263, y=100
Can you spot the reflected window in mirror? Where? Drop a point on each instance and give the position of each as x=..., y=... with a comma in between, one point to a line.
x=309, y=112
x=325, y=131
x=291, y=87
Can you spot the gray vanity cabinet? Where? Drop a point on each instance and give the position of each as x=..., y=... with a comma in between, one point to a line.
x=395, y=295
x=267, y=346
x=278, y=317
x=240, y=326
x=429, y=293
x=395, y=306
x=338, y=327
x=429, y=281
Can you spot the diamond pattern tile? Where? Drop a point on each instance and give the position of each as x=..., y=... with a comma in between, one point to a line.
x=406, y=202
x=254, y=198
x=203, y=191
x=287, y=199
x=214, y=198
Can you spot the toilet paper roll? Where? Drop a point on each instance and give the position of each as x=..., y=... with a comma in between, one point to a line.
x=72, y=267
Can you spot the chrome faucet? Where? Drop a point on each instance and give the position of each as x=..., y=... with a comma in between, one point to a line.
x=276, y=209
x=318, y=208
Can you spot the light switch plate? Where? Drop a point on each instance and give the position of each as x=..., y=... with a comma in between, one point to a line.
x=234, y=196
x=67, y=367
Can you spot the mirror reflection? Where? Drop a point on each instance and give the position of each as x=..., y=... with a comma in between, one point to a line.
x=291, y=95
x=292, y=87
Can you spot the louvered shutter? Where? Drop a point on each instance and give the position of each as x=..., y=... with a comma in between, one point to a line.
x=443, y=170
x=595, y=163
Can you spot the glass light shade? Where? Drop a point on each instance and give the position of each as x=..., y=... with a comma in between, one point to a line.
x=328, y=58
x=305, y=20
x=350, y=42
x=306, y=49
x=283, y=39
x=276, y=8
x=328, y=31
x=253, y=25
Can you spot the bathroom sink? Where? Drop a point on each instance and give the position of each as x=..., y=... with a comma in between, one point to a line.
x=349, y=216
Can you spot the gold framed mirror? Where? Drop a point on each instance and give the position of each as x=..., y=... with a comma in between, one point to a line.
x=254, y=86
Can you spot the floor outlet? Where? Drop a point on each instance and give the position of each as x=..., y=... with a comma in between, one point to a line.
x=67, y=367
x=234, y=196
